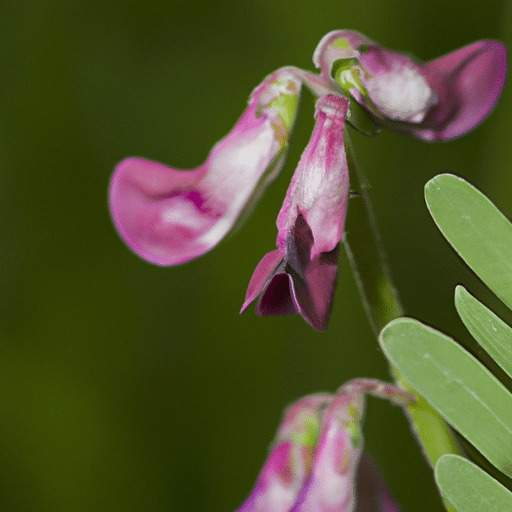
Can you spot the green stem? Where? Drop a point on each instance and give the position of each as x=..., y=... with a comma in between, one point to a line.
x=380, y=299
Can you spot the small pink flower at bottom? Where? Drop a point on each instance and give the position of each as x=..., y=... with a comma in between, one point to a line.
x=317, y=463
x=169, y=216
x=300, y=276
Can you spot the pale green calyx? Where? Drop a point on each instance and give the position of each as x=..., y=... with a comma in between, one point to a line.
x=281, y=98
x=354, y=426
x=308, y=433
x=340, y=44
x=286, y=106
x=346, y=73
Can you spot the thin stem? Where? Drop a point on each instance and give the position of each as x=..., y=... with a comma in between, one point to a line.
x=381, y=302
x=317, y=84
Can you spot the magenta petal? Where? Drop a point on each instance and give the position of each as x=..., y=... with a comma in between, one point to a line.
x=321, y=278
x=300, y=416
x=440, y=100
x=474, y=77
x=158, y=213
x=275, y=489
x=279, y=297
x=396, y=88
x=312, y=278
x=331, y=486
x=296, y=283
x=335, y=45
x=317, y=463
x=320, y=185
x=265, y=267
x=168, y=216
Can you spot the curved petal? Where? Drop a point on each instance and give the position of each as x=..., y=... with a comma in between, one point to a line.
x=264, y=269
x=331, y=485
x=314, y=465
x=338, y=44
x=394, y=86
x=320, y=185
x=297, y=284
x=168, y=216
x=275, y=490
x=158, y=211
x=474, y=76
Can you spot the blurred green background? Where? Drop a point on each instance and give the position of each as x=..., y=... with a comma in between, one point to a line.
x=124, y=386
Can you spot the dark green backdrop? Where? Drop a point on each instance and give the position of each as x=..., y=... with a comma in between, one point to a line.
x=124, y=386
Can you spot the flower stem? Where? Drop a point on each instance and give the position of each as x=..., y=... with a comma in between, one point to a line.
x=315, y=83
x=380, y=300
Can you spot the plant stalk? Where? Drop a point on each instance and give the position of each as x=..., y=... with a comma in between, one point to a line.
x=382, y=304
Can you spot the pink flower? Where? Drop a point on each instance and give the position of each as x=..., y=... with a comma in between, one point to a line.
x=300, y=276
x=317, y=462
x=168, y=216
x=439, y=100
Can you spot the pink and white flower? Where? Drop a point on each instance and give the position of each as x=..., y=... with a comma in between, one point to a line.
x=317, y=463
x=439, y=100
x=300, y=276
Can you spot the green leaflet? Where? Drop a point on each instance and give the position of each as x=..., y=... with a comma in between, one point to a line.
x=476, y=229
x=494, y=335
x=468, y=488
x=464, y=392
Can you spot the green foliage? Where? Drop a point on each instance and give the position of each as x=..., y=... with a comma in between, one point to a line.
x=492, y=333
x=465, y=393
x=469, y=488
x=476, y=229
x=454, y=382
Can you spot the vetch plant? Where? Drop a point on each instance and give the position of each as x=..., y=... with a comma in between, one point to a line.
x=169, y=216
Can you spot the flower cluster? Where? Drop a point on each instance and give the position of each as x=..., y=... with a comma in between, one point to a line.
x=317, y=461
x=169, y=216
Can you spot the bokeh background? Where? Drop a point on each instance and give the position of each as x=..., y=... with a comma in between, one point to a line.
x=124, y=386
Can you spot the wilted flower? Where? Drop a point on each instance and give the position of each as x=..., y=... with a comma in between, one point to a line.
x=168, y=216
x=439, y=100
x=317, y=462
x=300, y=276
